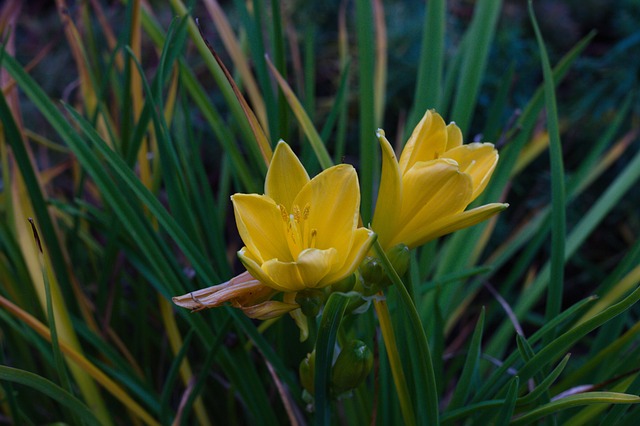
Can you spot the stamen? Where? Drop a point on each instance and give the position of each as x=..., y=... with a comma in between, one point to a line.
x=297, y=228
x=283, y=212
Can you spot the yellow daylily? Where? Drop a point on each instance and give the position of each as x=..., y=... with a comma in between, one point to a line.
x=302, y=233
x=425, y=194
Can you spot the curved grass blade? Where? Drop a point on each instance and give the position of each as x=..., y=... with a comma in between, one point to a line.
x=61, y=277
x=500, y=376
x=260, y=137
x=616, y=413
x=558, y=213
x=467, y=411
x=607, y=201
x=212, y=65
x=458, y=252
x=575, y=401
x=566, y=340
x=504, y=416
x=171, y=377
x=239, y=59
x=50, y=389
x=597, y=360
x=544, y=385
x=305, y=122
x=329, y=324
x=82, y=362
x=464, y=385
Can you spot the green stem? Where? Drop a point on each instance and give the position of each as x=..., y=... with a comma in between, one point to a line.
x=394, y=360
x=426, y=373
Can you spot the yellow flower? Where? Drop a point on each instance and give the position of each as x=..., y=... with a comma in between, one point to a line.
x=425, y=194
x=303, y=233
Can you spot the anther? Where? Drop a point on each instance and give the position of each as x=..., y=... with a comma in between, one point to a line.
x=283, y=213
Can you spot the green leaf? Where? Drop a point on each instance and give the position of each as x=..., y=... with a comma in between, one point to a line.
x=587, y=398
x=369, y=155
x=50, y=389
x=429, y=85
x=325, y=344
x=476, y=52
x=504, y=416
x=470, y=369
x=554, y=349
x=558, y=213
x=544, y=385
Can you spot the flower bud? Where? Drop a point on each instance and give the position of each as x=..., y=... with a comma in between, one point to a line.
x=307, y=371
x=351, y=367
x=346, y=284
x=399, y=257
x=310, y=301
x=372, y=270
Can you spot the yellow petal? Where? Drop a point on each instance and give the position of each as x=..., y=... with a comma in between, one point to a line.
x=427, y=142
x=253, y=266
x=389, y=195
x=286, y=176
x=478, y=160
x=297, y=315
x=267, y=310
x=454, y=136
x=333, y=198
x=307, y=272
x=449, y=224
x=260, y=225
x=362, y=242
x=432, y=191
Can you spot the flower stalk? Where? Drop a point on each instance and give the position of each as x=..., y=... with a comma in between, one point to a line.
x=389, y=338
x=426, y=372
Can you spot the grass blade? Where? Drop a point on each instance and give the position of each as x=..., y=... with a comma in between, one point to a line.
x=369, y=156
x=304, y=120
x=480, y=36
x=464, y=385
x=429, y=86
x=50, y=389
x=325, y=343
x=558, y=214
x=575, y=401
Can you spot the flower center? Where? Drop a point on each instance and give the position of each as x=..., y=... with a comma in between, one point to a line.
x=300, y=235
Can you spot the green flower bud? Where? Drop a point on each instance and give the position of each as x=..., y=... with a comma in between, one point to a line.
x=372, y=271
x=352, y=367
x=310, y=301
x=399, y=257
x=346, y=284
x=307, y=371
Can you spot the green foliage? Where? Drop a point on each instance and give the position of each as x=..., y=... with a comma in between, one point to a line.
x=125, y=138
